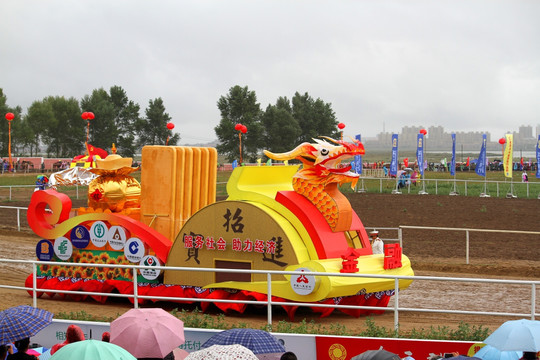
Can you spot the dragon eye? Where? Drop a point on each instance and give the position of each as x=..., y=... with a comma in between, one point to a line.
x=324, y=152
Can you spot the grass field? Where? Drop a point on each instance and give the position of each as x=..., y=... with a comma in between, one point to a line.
x=436, y=183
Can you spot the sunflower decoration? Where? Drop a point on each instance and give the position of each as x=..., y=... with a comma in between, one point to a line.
x=89, y=272
x=103, y=258
x=114, y=189
x=54, y=270
x=78, y=274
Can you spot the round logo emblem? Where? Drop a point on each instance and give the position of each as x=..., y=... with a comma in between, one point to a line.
x=98, y=234
x=80, y=237
x=337, y=352
x=117, y=237
x=134, y=250
x=63, y=248
x=303, y=284
x=151, y=261
x=44, y=250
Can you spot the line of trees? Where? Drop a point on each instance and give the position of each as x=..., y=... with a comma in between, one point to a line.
x=56, y=123
x=279, y=128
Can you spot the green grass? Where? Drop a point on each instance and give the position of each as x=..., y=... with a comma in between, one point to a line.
x=436, y=183
x=197, y=319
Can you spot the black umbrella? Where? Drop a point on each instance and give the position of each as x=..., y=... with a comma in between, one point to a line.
x=376, y=355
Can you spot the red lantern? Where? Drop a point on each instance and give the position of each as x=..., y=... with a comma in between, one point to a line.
x=502, y=141
x=90, y=116
x=243, y=129
x=341, y=126
x=84, y=116
x=170, y=126
x=423, y=132
x=238, y=127
x=10, y=116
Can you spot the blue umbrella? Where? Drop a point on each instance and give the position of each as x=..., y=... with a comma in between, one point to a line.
x=488, y=352
x=21, y=322
x=516, y=335
x=46, y=355
x=258, y=341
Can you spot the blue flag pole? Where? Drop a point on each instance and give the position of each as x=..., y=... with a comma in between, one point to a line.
x=420, y=159
x=481, y=165
x=538, y=158
x=358, y=166
x=394, y=163
x=453, y=165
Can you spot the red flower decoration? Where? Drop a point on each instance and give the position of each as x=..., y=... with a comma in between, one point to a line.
x=96, y=195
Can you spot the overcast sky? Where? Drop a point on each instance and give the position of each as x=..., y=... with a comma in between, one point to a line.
x=464, y=64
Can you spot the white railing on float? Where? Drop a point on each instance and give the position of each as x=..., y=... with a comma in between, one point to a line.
x=395, y=308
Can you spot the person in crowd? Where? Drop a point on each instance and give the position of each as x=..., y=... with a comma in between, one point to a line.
x=529, y=355
x=73, y=334
x=22, y=347
x=5, y=350
x=524, y=177
x=169, y=356
x=289, y=355
x=377, y=245
x=106, y=336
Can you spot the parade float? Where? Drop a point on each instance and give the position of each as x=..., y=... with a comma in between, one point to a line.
x=281, y=217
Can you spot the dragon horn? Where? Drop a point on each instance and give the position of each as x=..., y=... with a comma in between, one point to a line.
x=329, y=139
x=299, y=150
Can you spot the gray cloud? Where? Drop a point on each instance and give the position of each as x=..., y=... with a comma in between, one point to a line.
x=465, y=65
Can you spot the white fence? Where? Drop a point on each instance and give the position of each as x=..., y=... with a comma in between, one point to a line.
x=451, y=186
x=532, y=314
x=11, y=187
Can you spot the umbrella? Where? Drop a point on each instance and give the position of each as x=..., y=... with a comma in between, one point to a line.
x=37, y=351
x=462, y=357
x=221, y=352
x=516, y=335
x=46, y=355
x=488, y=352
x=21, y=322
x=148, y=333
x=258, y=341
x=92, y=350
x=180, y=354
x=376, y=355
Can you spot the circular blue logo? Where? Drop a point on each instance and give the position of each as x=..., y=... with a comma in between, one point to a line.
x=44, y=250
x=80, y=237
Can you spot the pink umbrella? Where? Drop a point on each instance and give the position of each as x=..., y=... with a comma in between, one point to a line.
x=180, y=354
x=148, y=333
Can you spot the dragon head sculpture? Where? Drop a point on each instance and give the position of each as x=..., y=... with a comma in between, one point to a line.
x=322, y=171
x=323, y=160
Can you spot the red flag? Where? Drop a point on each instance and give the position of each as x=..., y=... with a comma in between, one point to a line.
x=93, y=150
x=521, y=161
x=406, y=162
x=468, y=163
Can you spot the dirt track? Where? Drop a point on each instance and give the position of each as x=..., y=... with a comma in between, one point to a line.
x=434, y=253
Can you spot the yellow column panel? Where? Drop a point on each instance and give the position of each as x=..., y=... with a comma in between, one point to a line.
x=158, y=188
x=176, y=182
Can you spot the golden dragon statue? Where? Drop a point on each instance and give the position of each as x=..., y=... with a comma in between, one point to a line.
x=322, y=172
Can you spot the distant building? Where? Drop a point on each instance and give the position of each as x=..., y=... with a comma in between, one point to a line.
x=439, y=140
